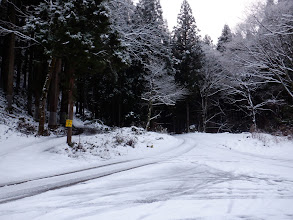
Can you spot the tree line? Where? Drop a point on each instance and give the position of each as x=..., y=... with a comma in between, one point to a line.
x=118, y=62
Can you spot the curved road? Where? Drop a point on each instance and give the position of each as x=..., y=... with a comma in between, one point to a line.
x=189, y=182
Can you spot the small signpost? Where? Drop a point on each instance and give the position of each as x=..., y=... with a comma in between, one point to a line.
x=68, y=123
x=69, y=131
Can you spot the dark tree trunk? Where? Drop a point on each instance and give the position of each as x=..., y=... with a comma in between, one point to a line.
x=54, y=96
x=5, y=62
x=187, y=117
x=11, y=56
x=19, y=63
x=21, y=22
x=80, y=110
x=24, y=70
x=10, y=72
x=37, y=107
x=119, y=113
x=64, y=106
x=30, y=82
x=204, y=101
x=80, y=84
x=39, y=70
x=43, y=99
x=70, y=103
x=149, y=117
x=30, y=93
x=4, y=48
x=77, y=107
x=64, y=93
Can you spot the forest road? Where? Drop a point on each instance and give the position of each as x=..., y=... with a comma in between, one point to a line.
x=15, y=190
x=194, y=181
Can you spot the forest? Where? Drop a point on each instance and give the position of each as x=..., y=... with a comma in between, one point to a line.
x=119, y=63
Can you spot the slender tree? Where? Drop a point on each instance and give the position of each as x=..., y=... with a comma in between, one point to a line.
x=7, y=72
x=187, y=52
x=161, y=90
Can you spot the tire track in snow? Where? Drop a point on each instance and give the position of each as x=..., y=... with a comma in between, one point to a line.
x=29, y=188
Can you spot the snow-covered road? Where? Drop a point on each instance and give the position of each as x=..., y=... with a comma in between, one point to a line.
x=203, y=179
x=14, y=190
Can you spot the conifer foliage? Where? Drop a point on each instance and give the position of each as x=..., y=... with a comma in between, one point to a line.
x=225, y=38
x=117, y=61
x=186, y=48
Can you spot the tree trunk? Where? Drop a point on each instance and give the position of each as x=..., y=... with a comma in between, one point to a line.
x=204, y=113
x=5, y=61
x=187, y=117
x=64, y=106
x=39, y=69
x=11, y=56
x=24, y=70
x=30, y=87
x=37, y=107
x=254, y=119
x=119, y=113
x=150, y=108
x=70, y=103
x=21, y=22
x=64, y=78
x=77, y=107
x=54, y=96
x=30, y=80
x=43, y=99
x=10, y=72
x=19, y=62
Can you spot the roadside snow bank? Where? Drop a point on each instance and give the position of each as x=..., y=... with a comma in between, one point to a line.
x=24, y=157
x=245, y=154
x=127, y=142
x=257, y=144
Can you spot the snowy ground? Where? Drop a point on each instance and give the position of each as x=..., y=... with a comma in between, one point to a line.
x=192, y=176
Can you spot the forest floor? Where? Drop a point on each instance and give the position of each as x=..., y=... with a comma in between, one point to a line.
x=132, y=174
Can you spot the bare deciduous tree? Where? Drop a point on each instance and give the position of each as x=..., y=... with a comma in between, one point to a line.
x=161, y=89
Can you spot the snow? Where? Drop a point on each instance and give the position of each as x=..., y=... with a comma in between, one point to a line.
x=24, y=157
x=190, y=176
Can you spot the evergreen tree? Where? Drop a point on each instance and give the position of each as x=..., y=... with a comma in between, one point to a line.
x=187, y=52
x=8, y=20
x=207, y=40
x=225, y=38
x=155, y=37
x=117, y=95
x=151, y=43
x=78, y=32
x=150, y=12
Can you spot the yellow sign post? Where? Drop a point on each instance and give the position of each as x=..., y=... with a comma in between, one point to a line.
x=68, y=123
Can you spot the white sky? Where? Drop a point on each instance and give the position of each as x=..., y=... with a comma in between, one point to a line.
x=210, y=15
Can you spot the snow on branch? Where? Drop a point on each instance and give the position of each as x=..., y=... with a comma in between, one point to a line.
x=161, y=88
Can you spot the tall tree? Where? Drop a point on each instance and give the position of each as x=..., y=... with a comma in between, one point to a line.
x=54, y=96
x=225, y=38
x=212, y=88
x=7, y=71
x=188, y=54
x=78, y=32
x=148, y=18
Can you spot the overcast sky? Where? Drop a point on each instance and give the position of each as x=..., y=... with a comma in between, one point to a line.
x=210, y=15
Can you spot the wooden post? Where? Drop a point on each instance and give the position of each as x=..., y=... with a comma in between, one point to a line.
x=70, y=104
